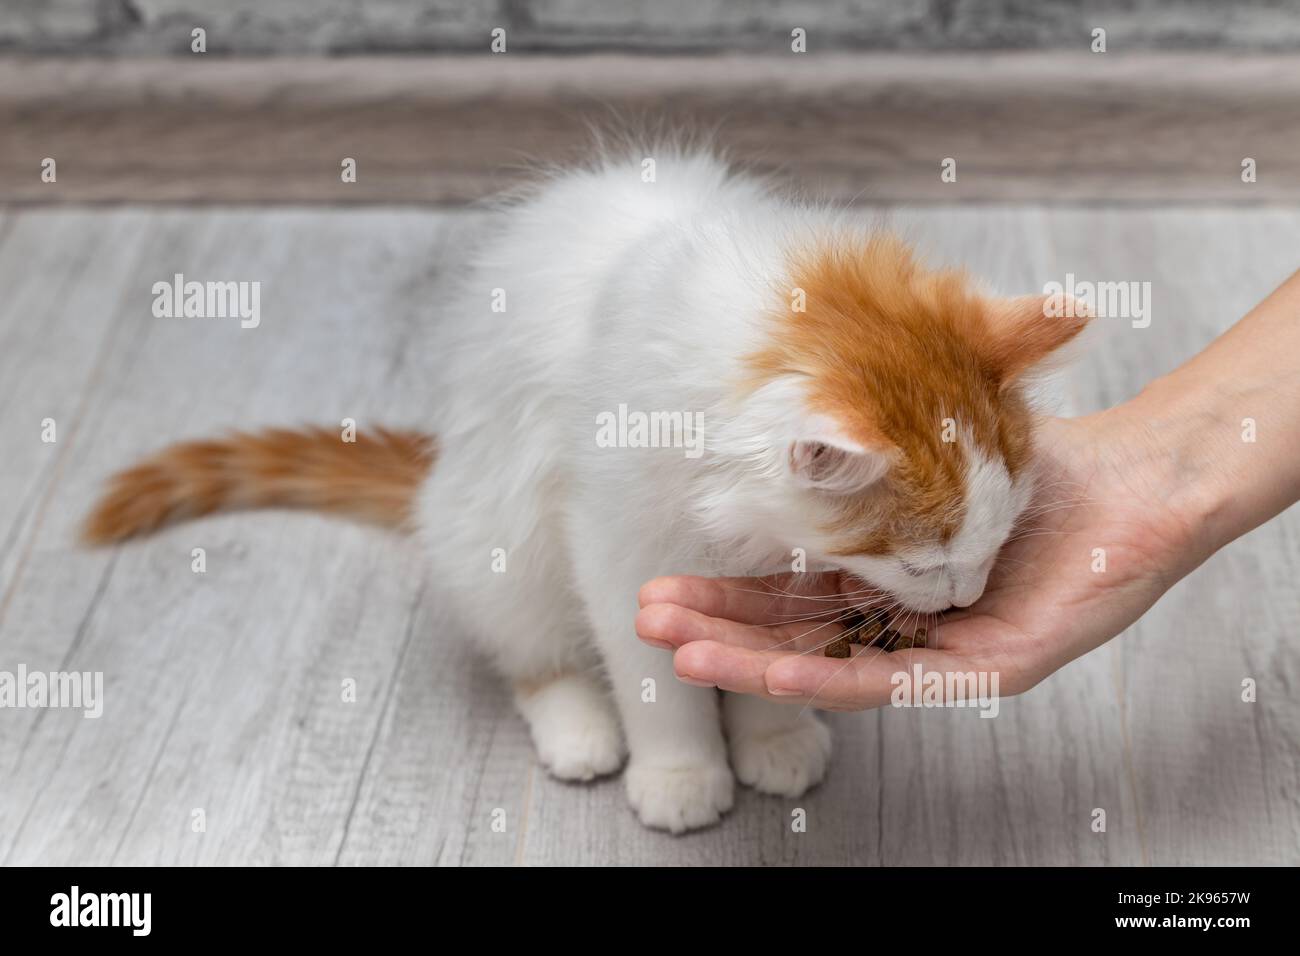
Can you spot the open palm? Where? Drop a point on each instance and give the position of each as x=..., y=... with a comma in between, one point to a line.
x=1097, y=548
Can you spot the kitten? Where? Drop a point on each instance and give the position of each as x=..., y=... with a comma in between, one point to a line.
x=850, y=403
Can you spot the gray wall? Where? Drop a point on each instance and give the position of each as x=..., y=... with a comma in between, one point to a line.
x=383, y=26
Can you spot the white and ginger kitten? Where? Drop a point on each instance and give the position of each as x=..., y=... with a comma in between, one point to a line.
x=817, y=365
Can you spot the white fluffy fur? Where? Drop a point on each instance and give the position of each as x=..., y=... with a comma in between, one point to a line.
x=620, y=291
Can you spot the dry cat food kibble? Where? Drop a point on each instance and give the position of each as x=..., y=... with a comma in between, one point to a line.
x=916, y=639
x=871, y=628
x=852, y=624
x=889, y=639
x=864, y=628
x=839, y=648
x=892, y=640
x=875, y=622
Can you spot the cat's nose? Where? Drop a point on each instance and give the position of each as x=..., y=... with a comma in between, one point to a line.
x=967, y=588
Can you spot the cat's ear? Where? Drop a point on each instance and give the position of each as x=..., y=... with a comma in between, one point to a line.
x=1025, y=330
x=824, y=458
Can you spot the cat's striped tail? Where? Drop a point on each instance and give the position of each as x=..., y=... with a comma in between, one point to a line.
x=373, y=479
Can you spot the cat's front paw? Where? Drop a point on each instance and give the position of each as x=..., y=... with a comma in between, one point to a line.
x=783, y=762
x=682, y=797
x=574, y=727
x=580, y=753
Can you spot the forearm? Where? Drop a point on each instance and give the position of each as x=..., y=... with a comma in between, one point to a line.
x=1229, y=420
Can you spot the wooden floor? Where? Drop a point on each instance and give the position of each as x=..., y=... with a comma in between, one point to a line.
x=223, y=689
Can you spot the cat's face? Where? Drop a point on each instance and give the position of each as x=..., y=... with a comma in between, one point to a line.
x=930, y=563
x=907, y=439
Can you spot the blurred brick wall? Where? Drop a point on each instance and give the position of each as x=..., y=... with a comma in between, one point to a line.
x=259, y=27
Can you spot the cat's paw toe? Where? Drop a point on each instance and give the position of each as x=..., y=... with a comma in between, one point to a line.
x=574, y=727
x=784, y=763
x=582, y=752
x=680, y=798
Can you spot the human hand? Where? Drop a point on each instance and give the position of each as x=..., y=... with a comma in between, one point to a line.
x=1110, y=530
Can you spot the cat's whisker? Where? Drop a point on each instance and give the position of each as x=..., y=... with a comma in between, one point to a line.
x=844, y=615
x=892, y=606
x=847, y=663
x=1035, y=532
x=772, y=589
x=1043, y=490
x=822, y=646
x=804, y=635
x=813, y=597
x=1052, y=509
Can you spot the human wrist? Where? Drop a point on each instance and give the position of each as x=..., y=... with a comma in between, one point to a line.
x=1221, y=478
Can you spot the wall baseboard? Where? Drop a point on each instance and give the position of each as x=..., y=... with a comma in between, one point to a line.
x=1053, y=127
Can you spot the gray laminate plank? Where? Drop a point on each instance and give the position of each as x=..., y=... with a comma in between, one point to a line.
x=223, y=689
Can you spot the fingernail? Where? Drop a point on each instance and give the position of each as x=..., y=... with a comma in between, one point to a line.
x=783, y=692
x=695, y=681
x=655, y=642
